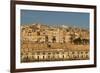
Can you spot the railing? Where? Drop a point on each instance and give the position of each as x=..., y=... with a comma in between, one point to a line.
x=55, y=56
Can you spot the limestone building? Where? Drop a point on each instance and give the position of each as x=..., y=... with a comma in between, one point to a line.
x=47, y=43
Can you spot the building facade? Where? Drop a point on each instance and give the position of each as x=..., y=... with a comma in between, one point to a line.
x=45, y=43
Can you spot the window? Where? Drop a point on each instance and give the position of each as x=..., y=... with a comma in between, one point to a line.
x=81, y=52
x=43, y=53
x=57, y=52
x=38, y=33
x=49, y=53
x=54, y=39
x=86, y=52
x=73, y=52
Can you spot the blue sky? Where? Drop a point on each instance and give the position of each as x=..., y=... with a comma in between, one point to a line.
x=53, y=18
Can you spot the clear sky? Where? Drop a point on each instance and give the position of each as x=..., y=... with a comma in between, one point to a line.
x=53, y=18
